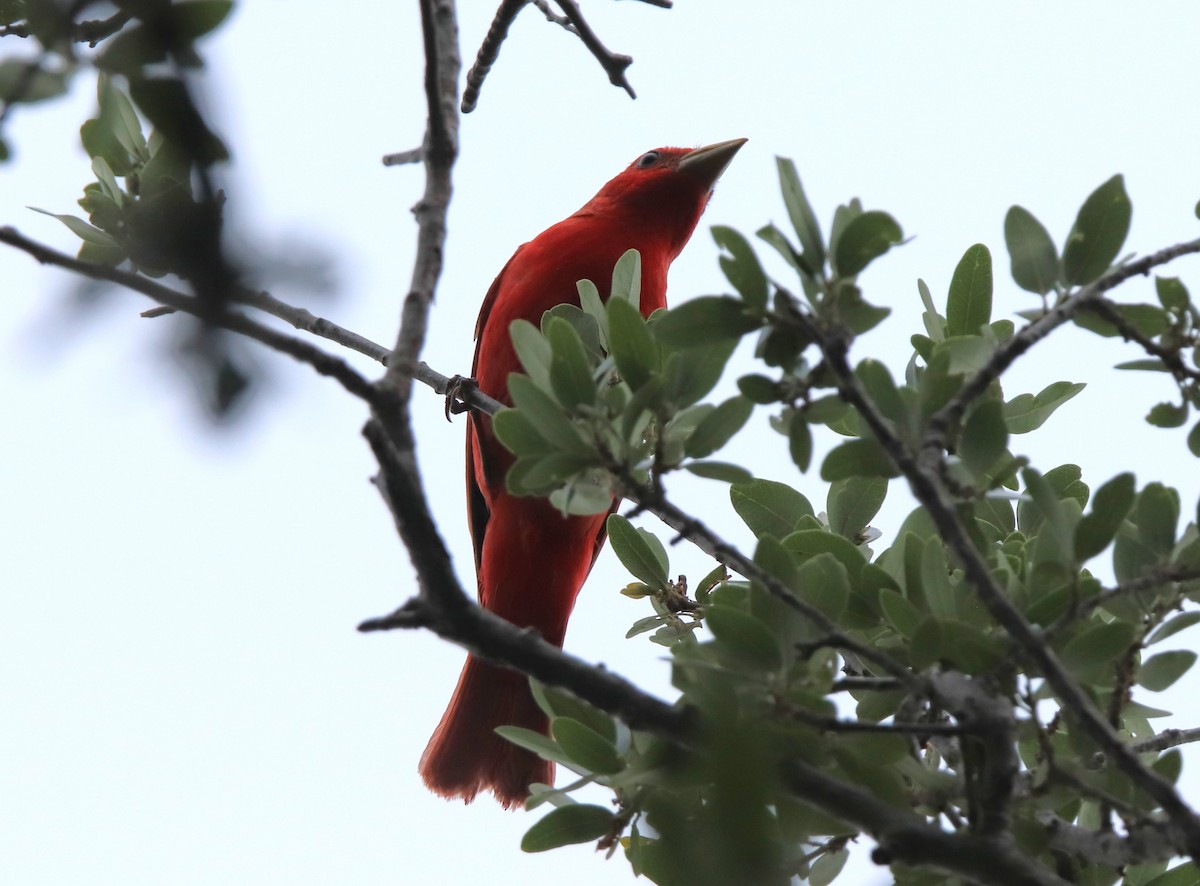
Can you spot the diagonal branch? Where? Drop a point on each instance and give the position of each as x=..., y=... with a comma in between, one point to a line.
x=926, y=485
x=614, y=63
x=323, y=362
x=489, y=51
x=950, y=414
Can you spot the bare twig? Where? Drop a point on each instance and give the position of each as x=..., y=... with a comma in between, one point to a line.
x=489, y=51
x=614, y=64
x=1165, y=740
x=401, y=158
x=1031, y=334
x=1169, y=357
x=321, y=361
x=1152, y=578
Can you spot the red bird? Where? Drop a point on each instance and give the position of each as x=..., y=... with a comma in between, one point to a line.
x=530, y=560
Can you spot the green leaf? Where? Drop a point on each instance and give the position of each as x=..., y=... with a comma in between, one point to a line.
x=897, y=609
x=82, y=229
x=592, y=305
x=964, y=354
x=1098, y=647
x=692, y=373
x=195, y=18
x=1185, y=874
x=627, y=278
x=716, y=428
x=585, y=746
x=533, y=351
x=25, y=80
x=632, y=347
x=864, y=239
x=745, y=636
x=1157, y=515
x=858, y=458
x=582, y=498
x=804, y=220
x=1173, y=626
x=519, y=434
x=824, y=582
x=853, y=502
x=984, y=438
x=1098, y=234
x=1031, y=250
x=546, y=414
x=560, y=703
x=578, y=823
x=826, y=868
x=1098, y=527
x=570, y=371
x=800, y=441
x=707, y=320
x=1168, y=415
x=167, y=104
x=1160, y=671
x=543, y=746
x=969, y=305
x=1193, y=440
x=759, y=389
x=879, y=384
x=741, y=266
x=768, y=507
x=1025, y=413
x=719, y=470
x=1172, y=294
x=635, y=552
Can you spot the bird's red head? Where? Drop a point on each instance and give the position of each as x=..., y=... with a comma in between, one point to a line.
x=667, y=188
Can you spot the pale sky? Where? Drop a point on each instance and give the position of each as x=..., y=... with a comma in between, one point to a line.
x=185, y=698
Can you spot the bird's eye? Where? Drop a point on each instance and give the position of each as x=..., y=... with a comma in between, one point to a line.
x=647, y=160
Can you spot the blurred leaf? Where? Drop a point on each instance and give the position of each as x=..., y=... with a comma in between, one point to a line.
x=826, y=868
x=858, y=458
x=25, y=80
x=692, y=373
x=800, y=211
x=543, y=746
x=82, y=229
x=565, y=825
x=1098, y=647
x=1098, y=527
x=585, y=746
x=706, y=320
x=1172, y=294
x=1157, y=514
x=719, y=470
x=984, y=437
x=741, y=266
x=1098, y=234
x=768, y=507
x=759, y=389
x=635, y=552
x=745, y=636
x=852, y=503
x=560, y=703
x=167, y=104
x=1034, y=257
x=195, y=18
x=879, y=384
x=1187, y=873
x=1193, y=440
x=1168, y=415
x=902, y=615
x=800, y=441
x=582, y=498
x=864, y=239
x=1025, y=412
x=716, y=429
x=1173, y=626
x=1160, y=671
x=969, y=305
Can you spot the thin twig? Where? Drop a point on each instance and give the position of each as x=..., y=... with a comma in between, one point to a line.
x=1169, y=356
x=321, y=361
x=1152, y=578
x=1165, y=740
x=401, y=158
x=489, y=51
x=614, y=63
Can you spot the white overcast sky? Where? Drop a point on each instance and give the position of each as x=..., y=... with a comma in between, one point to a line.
x=185, y=699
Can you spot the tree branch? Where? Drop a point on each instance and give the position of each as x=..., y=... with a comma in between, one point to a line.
x=1165, y=740
x=949, y=415
x=489, y=51
x=614, y=64
x=926, y=486
x=321, y=361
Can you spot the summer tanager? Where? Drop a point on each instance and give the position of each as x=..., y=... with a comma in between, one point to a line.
x=530, y=560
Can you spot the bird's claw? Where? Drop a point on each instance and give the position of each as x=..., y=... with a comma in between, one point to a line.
x=457, y=389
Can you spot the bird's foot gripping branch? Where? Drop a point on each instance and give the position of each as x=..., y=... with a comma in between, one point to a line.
x=970, y=687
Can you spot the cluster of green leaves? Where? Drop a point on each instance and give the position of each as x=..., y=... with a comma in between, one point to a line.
x=143, y=37
x=608, y=391
x=604, y=396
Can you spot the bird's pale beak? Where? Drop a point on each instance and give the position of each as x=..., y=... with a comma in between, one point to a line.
x=710, y=161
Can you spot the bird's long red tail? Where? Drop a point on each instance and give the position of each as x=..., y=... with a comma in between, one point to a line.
x=466, y=756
